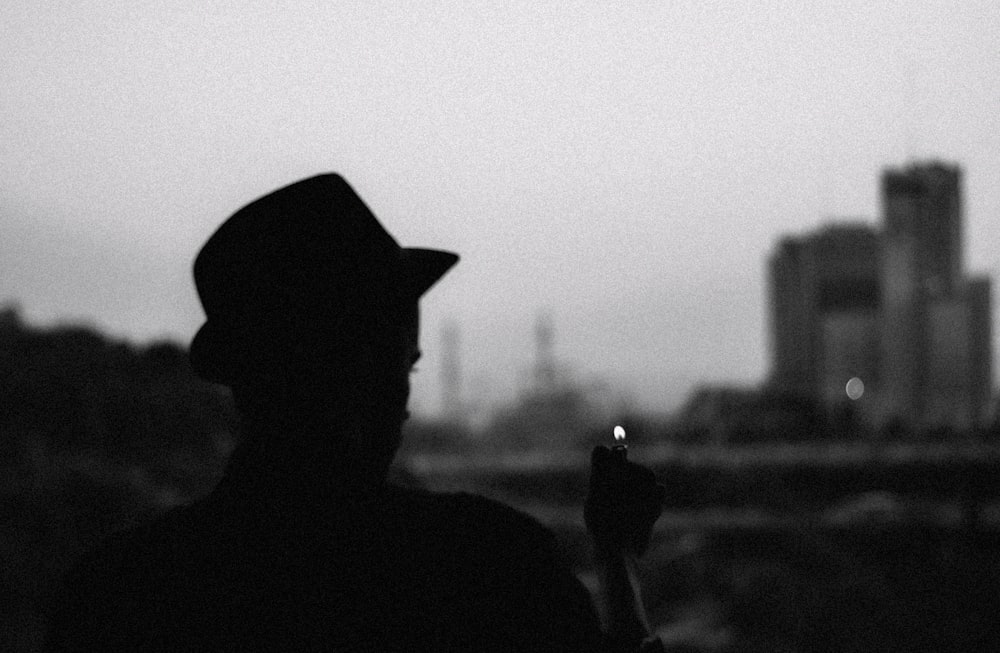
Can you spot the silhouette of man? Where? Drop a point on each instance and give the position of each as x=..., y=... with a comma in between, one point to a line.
x=312, y=320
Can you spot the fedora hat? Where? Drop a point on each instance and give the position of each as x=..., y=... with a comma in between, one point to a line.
x=306, y=261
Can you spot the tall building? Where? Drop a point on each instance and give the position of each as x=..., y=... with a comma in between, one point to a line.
x=936, y=326
x=545, y=372
x=792, y=315
x=977, y=292
x=452, y=404
x=892, y=308
x=824, y=311
x=922, y=212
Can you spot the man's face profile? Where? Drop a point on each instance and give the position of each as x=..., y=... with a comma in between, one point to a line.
x=407, y=337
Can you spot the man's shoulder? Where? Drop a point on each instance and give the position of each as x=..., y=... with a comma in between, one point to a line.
x=495, y=568
x=463, y=513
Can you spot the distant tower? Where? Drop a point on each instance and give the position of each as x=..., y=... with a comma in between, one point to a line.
x=451, y=373
x=936, y=329
x=922, y=209
x=545, y=361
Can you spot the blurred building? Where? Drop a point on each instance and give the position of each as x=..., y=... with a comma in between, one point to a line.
x=891, y=309
x=725, y=414
x=825, y=299
x=936, y=321
x=711, y=414
x=452, y=400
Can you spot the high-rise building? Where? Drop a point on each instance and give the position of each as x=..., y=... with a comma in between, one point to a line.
x=936, y=356
x=922, y=211
x=792, y=334
x=892, y=308
x=977, y=291
x=824, y=311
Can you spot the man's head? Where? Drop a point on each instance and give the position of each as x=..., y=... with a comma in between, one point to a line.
x=311, y=305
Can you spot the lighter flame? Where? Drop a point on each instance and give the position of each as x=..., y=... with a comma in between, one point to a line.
x=619, y=434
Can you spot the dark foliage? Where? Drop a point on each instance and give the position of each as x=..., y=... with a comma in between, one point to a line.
x=95, y=435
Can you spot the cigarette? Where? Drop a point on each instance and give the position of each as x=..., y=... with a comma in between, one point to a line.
x=620, y=449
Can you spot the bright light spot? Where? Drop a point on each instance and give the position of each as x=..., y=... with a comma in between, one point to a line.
x=855, y=388
x=619, y=434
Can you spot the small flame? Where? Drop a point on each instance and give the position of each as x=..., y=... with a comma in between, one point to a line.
x=619, y=434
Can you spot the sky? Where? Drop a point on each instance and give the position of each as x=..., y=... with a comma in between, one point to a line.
x=626, y=168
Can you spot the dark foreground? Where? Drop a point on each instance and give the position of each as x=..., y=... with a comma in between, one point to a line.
x=860, y=571
x=804, y=548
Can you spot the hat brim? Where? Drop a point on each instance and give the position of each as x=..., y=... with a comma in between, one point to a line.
x=422, y=268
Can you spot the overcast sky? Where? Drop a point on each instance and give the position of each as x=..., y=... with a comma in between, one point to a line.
x=626, y=165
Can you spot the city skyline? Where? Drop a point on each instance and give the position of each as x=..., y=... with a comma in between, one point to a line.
x=625, y=168
x=888, y=318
